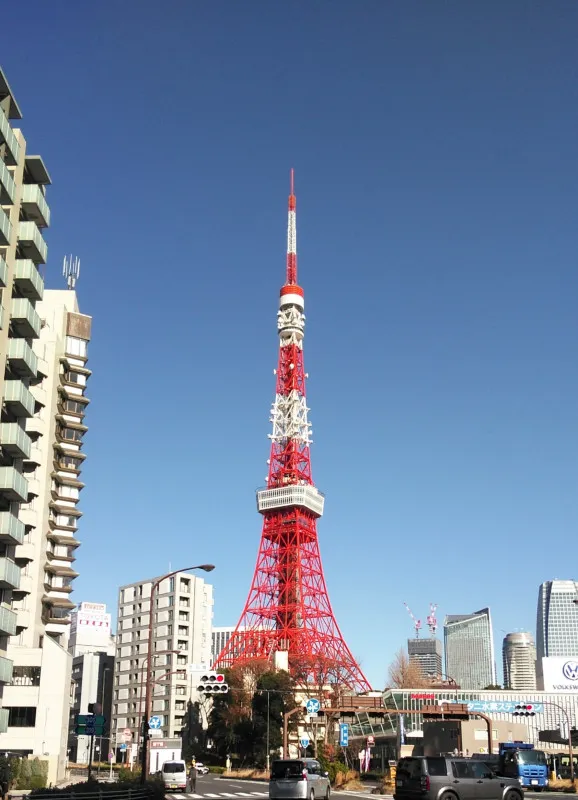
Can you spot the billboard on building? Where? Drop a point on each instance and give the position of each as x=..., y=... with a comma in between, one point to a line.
x=91, y=624
x=557, y=674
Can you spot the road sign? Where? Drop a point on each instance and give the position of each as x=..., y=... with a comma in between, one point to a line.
x=127, y=735
x=370, y=740
x=192, y=668
x=110, y=755
x=304, y=740
x=155, y=723
x=123, y=748
x=343, y=734
x=312, y=706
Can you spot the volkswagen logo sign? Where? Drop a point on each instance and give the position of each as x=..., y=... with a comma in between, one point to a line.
x=570, y=670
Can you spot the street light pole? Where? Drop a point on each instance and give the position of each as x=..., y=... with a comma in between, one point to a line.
x=147, y=707
x=268, y=696
x=570, y=752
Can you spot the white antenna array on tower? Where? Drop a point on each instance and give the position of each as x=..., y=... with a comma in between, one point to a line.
x=71, y=270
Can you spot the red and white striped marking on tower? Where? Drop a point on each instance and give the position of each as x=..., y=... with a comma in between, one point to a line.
x=288, y=607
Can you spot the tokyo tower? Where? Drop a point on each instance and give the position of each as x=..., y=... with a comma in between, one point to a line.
x=288, y=607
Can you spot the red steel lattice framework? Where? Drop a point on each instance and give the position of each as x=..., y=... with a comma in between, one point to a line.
x=288, y=607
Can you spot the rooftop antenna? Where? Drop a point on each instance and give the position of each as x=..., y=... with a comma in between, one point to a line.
x=71, y=270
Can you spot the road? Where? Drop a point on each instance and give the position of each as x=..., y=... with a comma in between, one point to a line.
x=214, y=787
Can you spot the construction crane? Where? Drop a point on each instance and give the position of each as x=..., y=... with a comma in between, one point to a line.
x=416, y=622
x=432, y=622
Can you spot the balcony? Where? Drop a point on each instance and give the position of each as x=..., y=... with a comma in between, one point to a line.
x=7, y=622
x=35, y=456
x=23, y=361
x=5, y=670
x=13, y=485
x=11, y=529
x=25, y=552
x=12, y=154
x=33, y=488
x=31, y=243
x=22, y=618
x=34, y=205
x=5, y=228
x=25, y=320
x=28, y=280
x=4, y=720
x=9, y=574
x=2, y=318
x=18, y=399
x=14, y=440
x=26, y=586
x=3, y=273
x=28, y=517
x=38, y=393
x=7, y=186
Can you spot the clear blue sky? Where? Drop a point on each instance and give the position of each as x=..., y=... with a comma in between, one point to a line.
x=437, y=182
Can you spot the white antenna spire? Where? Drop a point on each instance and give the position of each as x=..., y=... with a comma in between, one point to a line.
x=71, y=270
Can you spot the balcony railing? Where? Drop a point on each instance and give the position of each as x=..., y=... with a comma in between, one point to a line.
x=6, y=668
x=28, y=280
x=35, y=205
x=25, y=319
x=9, y=574
x=13, y=485
x=11, y=528
x=7, y=621
x=4, y=720
x=14, y=440
x=3, y=272
x=12, y=154
x=22, y=358
x=18, y=399
x=31, y=242
x=7, y=186
x=5, y=228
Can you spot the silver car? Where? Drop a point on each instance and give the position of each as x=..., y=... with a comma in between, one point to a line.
x=298, y=779
x=448, y=778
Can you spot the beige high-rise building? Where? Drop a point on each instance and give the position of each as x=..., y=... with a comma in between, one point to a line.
x=519, y=660
x=43, y=347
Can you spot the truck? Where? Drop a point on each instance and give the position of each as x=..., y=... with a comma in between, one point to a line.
x=521, y=760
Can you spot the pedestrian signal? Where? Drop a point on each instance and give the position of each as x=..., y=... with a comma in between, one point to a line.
x=524, y=710
x=212, y=683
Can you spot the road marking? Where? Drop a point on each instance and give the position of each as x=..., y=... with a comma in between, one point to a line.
x=261, y=794
x=211, y=795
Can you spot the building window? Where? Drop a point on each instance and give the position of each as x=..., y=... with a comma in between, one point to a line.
x=22, y=717
x=25, y=676
x=76, y=347
x=73, y=407
x=75, y=377
x=70, y=462
x=69, y=434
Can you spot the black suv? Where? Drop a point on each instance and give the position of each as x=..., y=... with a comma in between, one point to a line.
x=449, y=778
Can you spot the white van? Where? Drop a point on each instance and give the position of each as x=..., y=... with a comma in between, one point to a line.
x=175, y=775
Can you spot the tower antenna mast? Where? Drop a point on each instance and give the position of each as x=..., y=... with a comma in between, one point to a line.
x=287, y=617
x=71, y=270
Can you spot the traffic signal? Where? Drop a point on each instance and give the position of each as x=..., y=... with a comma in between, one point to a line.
x=524, y=710
x=212, y=683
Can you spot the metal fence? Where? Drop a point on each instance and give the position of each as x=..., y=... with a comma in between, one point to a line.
x=99, y=794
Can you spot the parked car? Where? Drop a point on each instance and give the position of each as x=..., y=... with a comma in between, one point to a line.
x=450, y=778
x=201, y=769
x=298, y=779
x=175, y=775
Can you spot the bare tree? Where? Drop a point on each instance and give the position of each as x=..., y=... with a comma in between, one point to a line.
x=406, y=674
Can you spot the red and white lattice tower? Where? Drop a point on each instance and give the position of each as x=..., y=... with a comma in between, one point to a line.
x=288, y=607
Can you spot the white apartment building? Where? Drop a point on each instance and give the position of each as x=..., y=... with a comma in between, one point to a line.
x=41, y=336
x=182, y=621
x=40, y=706
x=92, y=647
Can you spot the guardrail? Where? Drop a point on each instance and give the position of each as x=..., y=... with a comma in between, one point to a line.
x=118, y=794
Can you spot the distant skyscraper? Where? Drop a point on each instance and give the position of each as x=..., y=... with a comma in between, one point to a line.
x=469, y=646
x=557, y=619
x=427, y=653
x=519, y=660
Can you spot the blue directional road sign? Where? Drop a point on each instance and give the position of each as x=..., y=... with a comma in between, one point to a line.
x=343, y=734
x=155, y=723
x=312, y=706
x=123, y=748
x=304, y=740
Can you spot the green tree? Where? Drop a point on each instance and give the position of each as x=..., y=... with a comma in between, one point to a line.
x=274, y=696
